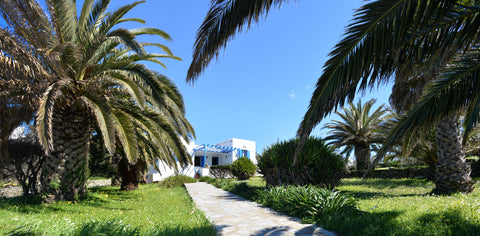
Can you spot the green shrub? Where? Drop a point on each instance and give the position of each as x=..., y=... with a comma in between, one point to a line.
x=243, y=168
x=317, y=164
x=176, y=181
x=225, y=184
x=474, y=162
x=312, y=204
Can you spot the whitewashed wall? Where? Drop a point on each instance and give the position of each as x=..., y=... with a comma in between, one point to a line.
x=190, y=170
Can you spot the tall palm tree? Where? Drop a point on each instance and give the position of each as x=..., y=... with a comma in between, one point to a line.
x=358, y=131
x=384, y=37
x=93, y=68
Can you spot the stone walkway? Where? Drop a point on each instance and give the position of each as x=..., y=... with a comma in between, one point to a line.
x=233, y=215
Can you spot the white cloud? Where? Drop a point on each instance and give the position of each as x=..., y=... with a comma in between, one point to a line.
x=292, y=94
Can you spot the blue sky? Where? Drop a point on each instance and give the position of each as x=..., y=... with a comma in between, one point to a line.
x=260, y=87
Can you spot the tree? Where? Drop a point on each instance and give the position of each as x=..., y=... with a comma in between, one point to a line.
x=357, y=131
x=93, y=69
x=423, y=36
x=384, y=37
x=20, y=90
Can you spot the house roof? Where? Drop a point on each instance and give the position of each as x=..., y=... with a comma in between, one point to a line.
x=214, y=148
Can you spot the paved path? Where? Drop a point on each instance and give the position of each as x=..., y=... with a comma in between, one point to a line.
x=233, y=215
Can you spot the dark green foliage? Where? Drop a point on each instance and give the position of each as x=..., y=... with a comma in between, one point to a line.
x=26, y=156
x=317, y=164
x=475, y=165
x=176, y=181
x=101, y=163
x=225, y=184
x=243, y=168
x=309, y=203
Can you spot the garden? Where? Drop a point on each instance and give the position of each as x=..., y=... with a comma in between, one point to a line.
x=79, y=87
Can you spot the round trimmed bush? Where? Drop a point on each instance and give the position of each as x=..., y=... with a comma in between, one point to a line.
x=317, y=164
x=243, y=168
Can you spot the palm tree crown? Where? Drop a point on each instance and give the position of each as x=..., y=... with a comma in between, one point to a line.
x=358, y=131
x=94, y=76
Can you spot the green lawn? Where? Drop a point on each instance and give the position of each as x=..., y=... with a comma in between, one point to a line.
x=406, y=207
x=403, y=207
x=167, y=210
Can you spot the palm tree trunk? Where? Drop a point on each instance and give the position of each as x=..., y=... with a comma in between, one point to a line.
x=452, y=172
x=362, y=156
x=128, y=174
x=65, y=170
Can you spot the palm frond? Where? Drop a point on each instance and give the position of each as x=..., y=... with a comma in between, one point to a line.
x=454, y=90
x=138, y=20
x=384, y=35
x=224, y=19
x=114, y=18
x=45, y=114
x=126, y=135
x=65, y=14
x=127, y=38
x=151, y=31
x=161, y=46
x=103, y=115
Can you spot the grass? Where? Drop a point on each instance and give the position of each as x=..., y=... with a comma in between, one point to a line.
x=400, y=207
x=407, y=207
x=149, y=209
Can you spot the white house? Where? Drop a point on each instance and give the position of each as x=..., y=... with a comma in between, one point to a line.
x=206, y=155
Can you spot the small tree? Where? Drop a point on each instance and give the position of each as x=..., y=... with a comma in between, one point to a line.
x=26, y=158
x=243, y=168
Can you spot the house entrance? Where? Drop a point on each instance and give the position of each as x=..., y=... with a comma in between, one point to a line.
x=214, y=161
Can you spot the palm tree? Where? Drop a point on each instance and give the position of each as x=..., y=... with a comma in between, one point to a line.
x=432, y=35
x=384, y=37
x=93, y=68
x=415, y=147
x=357, y=131
x=20, y=90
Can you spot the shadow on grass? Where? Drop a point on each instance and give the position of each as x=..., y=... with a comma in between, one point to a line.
x=382, y=223
x=387, y=183
x=369, y=195
x=244, y=190
x=33, y=203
